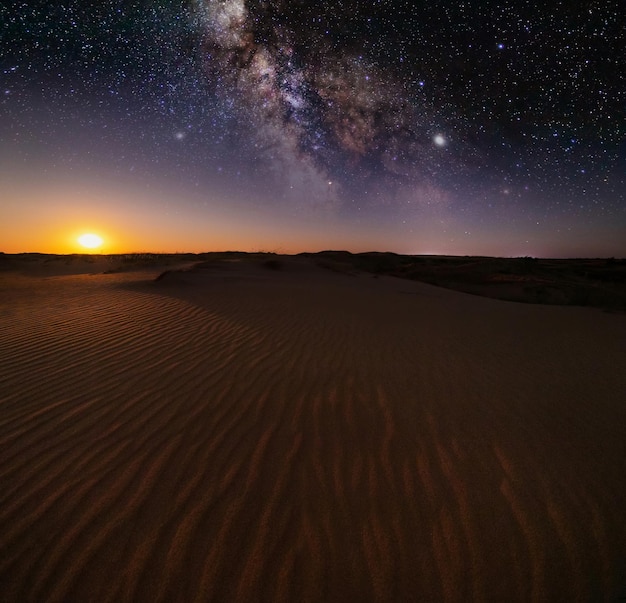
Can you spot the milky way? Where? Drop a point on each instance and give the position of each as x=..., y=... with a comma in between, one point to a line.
x=460, y=117
x=341, y=116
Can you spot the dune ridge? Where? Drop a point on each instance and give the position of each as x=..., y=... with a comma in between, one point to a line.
x=238, y=433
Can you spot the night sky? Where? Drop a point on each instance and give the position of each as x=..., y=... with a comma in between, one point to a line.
x=469, y=127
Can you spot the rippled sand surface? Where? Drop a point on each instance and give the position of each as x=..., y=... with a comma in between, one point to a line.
x=234, y=433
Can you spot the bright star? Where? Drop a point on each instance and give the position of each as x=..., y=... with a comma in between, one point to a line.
x=439, y=140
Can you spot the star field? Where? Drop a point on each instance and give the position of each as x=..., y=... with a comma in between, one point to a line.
x=466, y=127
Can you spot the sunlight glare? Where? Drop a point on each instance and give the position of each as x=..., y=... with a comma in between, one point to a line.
x=90, y=240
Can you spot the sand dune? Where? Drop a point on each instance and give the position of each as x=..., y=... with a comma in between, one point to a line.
x=233, y=433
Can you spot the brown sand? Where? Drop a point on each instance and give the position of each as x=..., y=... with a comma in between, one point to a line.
x=242, y=434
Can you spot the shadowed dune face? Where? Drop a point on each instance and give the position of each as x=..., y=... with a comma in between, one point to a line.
x=242, y=433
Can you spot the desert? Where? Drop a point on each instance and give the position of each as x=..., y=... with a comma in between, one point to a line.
x=252, y=427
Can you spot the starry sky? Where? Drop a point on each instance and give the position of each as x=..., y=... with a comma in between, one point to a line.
x=474, y=127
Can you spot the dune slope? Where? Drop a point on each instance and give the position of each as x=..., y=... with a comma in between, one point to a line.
x=233, y=433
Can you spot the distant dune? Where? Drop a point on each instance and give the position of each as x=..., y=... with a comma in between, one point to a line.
x=272, y=429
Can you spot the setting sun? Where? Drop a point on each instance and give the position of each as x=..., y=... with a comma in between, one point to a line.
x=91, y=241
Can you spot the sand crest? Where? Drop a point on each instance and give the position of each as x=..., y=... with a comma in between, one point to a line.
x=245, y=432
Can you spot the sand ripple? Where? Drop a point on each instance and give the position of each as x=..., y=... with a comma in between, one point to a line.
x=306, y=436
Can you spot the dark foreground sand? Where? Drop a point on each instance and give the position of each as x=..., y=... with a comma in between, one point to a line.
x=235, y=433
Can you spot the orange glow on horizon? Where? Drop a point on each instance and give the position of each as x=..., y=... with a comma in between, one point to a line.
x=50, y=217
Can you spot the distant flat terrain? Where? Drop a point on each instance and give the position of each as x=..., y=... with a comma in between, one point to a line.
x=232, y=427
x=599, y=283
